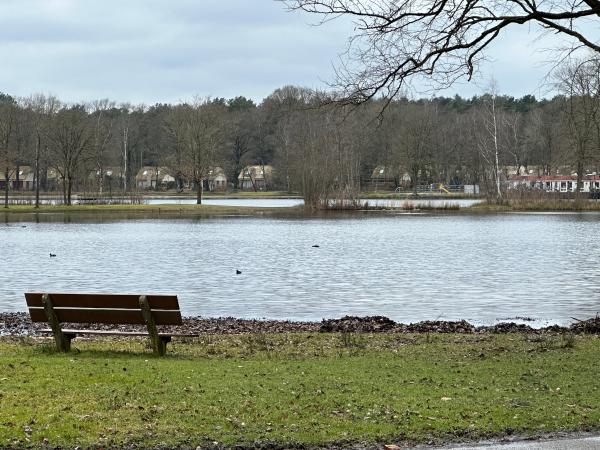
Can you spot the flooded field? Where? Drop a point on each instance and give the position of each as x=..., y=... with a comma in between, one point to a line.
x=287, y=202
x=410, y=267
x=256, y=202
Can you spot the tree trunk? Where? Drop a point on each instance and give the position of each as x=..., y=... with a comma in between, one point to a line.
x=496, y=151
x=236, y=181
x=6, y=181
x=64, y=189
x=125, y=156
x=199, y=188
x=69, y=187
x=101, y=180
x=37, y=173
x=17, y=179
x=415, y=180
x=579, y=182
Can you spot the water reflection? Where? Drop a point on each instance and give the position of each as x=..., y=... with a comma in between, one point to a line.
x=256, y=202
x=289, y=202
x=408, y=267
x=248, y=202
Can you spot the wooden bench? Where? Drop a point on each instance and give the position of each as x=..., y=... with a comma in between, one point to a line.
x=113, y=309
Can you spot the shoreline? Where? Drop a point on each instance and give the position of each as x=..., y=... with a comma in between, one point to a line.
x=369, y=195
x=75, y=213
x=443, y=384
x=19, y=324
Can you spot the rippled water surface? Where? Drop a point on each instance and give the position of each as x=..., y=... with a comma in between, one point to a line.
x=408, y=267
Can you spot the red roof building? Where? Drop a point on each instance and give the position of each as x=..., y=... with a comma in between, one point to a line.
x=555, y=183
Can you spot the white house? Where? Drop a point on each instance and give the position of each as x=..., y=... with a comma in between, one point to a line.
x=255, y=178
x=555, y=183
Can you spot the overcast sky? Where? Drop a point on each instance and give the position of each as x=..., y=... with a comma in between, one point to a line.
x=149, y=51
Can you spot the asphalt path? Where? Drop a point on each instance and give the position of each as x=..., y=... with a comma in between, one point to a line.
x=588, y=443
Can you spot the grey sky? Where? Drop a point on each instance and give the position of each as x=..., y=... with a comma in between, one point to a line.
x=148, y=51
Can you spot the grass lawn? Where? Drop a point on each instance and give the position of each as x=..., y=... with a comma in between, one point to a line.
x=142, y=211
x=287, y=389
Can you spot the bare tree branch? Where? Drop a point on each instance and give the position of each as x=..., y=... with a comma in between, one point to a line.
x=442, y=40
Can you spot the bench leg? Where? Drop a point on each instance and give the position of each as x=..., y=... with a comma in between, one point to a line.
x=68, y=338
x=63, y=343
x=162, y=347
x=151, y=326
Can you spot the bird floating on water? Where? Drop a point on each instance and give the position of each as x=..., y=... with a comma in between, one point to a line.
x=52, y=255
x=315, y=246
x=238, y=272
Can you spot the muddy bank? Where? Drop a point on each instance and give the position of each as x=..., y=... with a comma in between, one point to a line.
x=18, y=324
x=375, y=324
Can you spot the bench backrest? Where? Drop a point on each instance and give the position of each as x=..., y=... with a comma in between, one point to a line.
x=112, y=309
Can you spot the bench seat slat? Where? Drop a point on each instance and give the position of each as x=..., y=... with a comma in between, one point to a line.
x=119, y=333
x=83, y=300
x=107, y=316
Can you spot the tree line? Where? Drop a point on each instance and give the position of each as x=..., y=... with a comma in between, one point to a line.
x=325, y=150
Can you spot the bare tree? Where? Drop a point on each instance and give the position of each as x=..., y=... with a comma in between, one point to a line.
x=580, y=81
x=416, y=140
x=70, y=137
x=204, y=134
x=279, y=115
x=125, y=138
x=324, y=155
x=103, y=128
x=241, y=128
x=512, y=138
x=41, y=108
x=175, y=128
x=487, y=125
x=439, y=39
x=8, y=117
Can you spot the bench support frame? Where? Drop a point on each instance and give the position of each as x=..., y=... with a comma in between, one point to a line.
x=63, y=338
x=159, y=343
x=63, y=341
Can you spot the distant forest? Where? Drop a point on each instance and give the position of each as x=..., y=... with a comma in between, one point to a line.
x=316, y=147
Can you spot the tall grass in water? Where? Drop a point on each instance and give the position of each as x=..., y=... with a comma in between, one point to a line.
x=425, y=206
x=85, y=198
x=357, y=204
x=95, y=198
x=346, y=199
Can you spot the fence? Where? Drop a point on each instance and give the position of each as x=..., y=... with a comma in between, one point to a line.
x=438, y=188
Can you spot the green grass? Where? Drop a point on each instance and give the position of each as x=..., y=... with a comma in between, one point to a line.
x=296, y=389
x=145, y=211
x=25, y=212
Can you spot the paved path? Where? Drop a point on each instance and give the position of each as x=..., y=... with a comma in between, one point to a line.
x=591, y=443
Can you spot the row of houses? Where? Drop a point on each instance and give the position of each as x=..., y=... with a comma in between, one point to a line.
x=555, y=183
x=22, y=178
x=513, y=177
x=251, y=178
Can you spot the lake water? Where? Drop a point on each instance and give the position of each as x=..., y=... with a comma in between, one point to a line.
x=410, y=267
